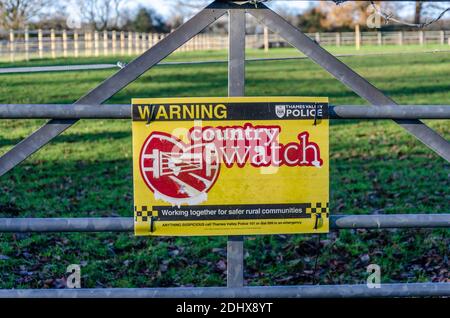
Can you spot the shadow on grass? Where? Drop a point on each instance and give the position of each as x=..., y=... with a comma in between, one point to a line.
x=74, y=137
x=102, y=187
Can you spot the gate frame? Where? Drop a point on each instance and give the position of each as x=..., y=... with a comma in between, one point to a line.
x=236, y=87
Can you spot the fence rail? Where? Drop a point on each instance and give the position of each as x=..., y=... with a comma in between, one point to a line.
x=123, y=111
x=26, y=44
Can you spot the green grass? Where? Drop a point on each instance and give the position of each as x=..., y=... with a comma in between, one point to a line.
x=376, y=167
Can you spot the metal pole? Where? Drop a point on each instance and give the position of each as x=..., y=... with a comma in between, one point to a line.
x=126, y=224
x=123, y=111
x=311, y=291
x=347, y=76
x=236, y=58
x=390, y=112
x=236, y=87
x=111, y=86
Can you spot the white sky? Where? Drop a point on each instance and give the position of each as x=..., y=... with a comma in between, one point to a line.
x=164, y=7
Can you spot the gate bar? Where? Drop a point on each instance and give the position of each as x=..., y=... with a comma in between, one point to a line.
x=347, y=76
x=126, y=224
x=123, y=111
x=304, y=291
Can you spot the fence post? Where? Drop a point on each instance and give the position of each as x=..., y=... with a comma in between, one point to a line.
x=75, y=42
x=40, y=44
x=53, y=43
x=114, y=42
x=442, y=33
x=317, y=37
x=143, y=42
x=357, y=37
x=27, y=44
x=338, y=38
x=122, y=43
x=11, y=46
x=64, y=35
x=149, y=40
x=136, y=42
x=266, y=39
x=86, y=44
x=421, y=37
x=96, y=44
x=195, y=44
x=152, y=39
x=380, y=38
x=92, y=43
x=401, y=36
x=105, y=42
x=130, y=43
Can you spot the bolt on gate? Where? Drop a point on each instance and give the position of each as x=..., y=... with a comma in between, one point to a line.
x=89, y=106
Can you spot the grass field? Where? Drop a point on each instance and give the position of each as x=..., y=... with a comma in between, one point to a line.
x=376, y=168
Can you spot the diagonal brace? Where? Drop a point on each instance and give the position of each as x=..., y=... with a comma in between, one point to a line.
x=347, y=76
x=112, y=85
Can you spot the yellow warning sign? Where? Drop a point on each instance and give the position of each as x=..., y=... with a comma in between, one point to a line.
x=230, y=165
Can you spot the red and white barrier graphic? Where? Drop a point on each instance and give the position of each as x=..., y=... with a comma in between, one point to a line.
x=178, y=173
x=181, y=173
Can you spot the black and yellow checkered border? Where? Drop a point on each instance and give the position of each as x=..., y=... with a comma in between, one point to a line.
x=319, y=210
x=318, y=207
x=143, y=213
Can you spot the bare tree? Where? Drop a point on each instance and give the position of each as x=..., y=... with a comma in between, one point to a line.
x=418, y=12
x=182, y=10
x=426, y=13
x=100, y=14
x=15, y=14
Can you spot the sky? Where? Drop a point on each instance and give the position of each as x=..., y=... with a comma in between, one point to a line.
x=164, y=7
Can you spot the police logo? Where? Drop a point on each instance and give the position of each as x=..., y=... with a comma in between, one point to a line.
x=280, y=110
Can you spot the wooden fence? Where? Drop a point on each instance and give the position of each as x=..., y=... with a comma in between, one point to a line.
x=27, y=44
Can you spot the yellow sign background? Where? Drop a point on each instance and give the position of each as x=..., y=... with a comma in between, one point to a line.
x=243, y=186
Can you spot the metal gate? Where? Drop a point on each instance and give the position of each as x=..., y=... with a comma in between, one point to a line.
x=89, y=106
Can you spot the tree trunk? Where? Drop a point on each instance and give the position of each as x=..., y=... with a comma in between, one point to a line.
x=418, y=12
